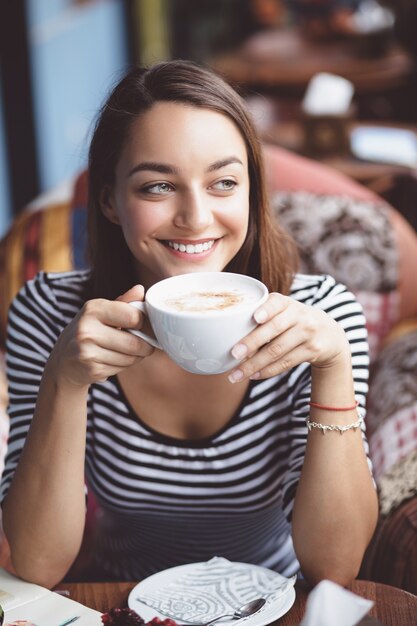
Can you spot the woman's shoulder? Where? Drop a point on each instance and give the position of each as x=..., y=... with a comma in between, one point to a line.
x=60, y=293
x=74, y=281
x=315, y=289
x=310, y=282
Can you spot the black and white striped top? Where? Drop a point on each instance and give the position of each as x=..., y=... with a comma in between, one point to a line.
x=166, y=501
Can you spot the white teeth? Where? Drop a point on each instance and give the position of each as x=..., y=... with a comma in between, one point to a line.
x=190, y=248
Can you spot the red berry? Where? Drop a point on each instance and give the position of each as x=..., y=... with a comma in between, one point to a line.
x=157, y=621
x=122, y=617
x=128, y=617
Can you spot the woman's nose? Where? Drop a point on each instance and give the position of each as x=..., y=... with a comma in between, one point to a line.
x=194, y=212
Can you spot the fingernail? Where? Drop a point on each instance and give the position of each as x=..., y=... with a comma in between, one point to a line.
x=260, y=316
x=255, y=376
x=235, y=376
x=239, y=350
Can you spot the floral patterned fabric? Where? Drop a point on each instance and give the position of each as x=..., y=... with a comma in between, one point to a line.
x=398, y=484
x=392, y=419
x=394, y=380
x=350, y=239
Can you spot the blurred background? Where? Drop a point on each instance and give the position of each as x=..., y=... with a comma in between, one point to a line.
x=60, y=58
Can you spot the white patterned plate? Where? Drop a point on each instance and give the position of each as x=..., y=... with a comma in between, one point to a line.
x=179, y=590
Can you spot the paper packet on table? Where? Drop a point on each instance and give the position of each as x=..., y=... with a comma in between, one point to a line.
x=329, y=604
x=32, y=605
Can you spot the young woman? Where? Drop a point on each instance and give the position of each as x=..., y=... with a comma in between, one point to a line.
x=184, y=467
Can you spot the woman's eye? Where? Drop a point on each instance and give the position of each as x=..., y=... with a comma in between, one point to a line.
x=157, y=188
x=225, y=185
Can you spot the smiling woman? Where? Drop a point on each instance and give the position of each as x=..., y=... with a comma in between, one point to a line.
x=184, y=466
x=181, y=205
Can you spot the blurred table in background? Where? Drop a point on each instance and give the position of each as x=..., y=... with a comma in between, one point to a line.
x=281, y=62
x=290, y=135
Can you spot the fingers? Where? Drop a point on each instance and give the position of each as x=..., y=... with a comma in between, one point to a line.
x=102, y=363
x=276, y=321
x=97, y=352
x=273, y=317
x=272, y=359
x=95, y=345
x=117, y=314
x=93, y=364
x=288, y=333
x=101, y=324
x=136, y=292
x=275, y=304
x=116, y=340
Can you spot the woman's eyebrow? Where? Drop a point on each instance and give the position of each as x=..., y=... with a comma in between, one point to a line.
x=217, y=165
x=164, y=168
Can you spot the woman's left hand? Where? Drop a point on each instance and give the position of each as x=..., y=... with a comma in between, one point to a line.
x=289, y=333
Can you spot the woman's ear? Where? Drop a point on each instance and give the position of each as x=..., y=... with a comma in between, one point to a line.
x=108, y=205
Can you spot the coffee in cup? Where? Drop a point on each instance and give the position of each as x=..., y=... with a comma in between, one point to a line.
x=206, y=301
x=197, y=318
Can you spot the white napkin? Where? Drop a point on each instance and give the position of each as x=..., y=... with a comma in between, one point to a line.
x=328, y=94
x=329, y=604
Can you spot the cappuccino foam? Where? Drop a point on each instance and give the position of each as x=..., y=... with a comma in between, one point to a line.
x=201, y=301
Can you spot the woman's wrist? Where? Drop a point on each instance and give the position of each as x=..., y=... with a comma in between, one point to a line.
x=59, y=382
x=332, y=388
x=342, y=358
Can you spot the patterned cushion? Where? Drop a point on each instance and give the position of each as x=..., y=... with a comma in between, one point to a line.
x=348, y=238
x=351, y=239
x=392, y=404
x=394, y=380
x=399, y=483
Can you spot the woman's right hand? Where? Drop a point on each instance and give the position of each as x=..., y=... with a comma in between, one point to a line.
x=94, y=345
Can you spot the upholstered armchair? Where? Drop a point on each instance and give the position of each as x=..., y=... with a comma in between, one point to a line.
x=342, y=229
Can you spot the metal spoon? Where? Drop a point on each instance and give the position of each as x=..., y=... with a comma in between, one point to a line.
x=244, y=611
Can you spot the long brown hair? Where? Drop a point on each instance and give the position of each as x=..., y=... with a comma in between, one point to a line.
x=267, y=253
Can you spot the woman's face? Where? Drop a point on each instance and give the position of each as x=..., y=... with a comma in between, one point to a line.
x=181, y=191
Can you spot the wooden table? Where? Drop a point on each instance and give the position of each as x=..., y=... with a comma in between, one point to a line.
x=393, y=607
x=279, y=64
x=283, y=60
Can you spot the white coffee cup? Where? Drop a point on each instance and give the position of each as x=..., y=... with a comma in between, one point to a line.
x=197, y=318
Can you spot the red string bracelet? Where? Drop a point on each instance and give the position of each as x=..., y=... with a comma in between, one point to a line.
x=334, y=408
